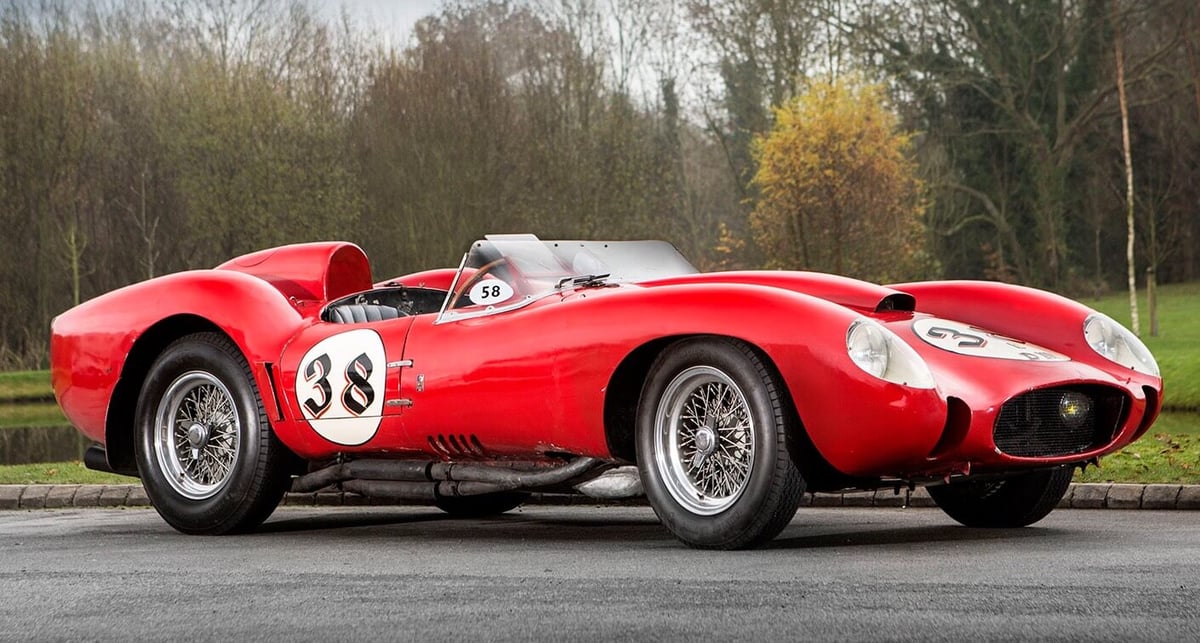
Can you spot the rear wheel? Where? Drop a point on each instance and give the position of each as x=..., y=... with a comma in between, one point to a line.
x=1017, y=501
x=712, y=442
x=490, y=504
x=205, y=451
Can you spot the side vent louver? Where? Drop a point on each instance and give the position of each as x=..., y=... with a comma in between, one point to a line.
x=456, y=446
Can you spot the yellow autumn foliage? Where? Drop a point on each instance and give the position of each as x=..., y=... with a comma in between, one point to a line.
x=838, y=191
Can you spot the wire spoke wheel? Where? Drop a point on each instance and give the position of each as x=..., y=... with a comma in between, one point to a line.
x=197, y=435
x=704, y=440
x=205, y=450
x=713, y=427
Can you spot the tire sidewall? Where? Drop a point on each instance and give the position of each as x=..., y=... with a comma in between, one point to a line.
x=1018, y=501
x=712, y=530
x=209, y=514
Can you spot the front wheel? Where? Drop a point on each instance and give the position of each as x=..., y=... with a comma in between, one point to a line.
x=1016, y=501
x=712, y=444
x=205, y=451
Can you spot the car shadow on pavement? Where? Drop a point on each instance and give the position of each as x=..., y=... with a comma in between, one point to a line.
x=432, y=525
x=343, y=520
x=909, y=535
x=565, y=526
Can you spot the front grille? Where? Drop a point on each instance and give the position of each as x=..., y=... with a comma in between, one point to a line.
x=1059, y=421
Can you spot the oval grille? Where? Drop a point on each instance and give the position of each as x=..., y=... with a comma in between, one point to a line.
x=1059, y=421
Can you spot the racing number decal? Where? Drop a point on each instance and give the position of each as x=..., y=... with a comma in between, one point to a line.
x=359, y=386
x=965, y=339
x=340, y=385
x=490, y=291
x=317, y=373
x=358, y=394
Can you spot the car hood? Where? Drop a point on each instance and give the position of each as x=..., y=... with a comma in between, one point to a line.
x=844, y=291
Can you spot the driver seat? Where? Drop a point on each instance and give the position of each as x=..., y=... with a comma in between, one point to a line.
x=361, y=313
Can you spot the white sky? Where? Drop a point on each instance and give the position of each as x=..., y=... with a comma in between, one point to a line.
x=391, y=22
x=393, y=19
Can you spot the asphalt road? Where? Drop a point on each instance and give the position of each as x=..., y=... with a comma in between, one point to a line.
x=581, y=573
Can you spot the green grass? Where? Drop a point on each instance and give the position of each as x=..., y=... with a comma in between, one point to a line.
x=1177, y=346
x=58, y=473
x=1164, y=457
x=17, y=385
x=37, y=414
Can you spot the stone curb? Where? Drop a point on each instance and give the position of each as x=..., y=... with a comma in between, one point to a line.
x=1079, y=496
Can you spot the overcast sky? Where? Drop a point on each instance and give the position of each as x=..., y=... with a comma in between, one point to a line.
x=392, y=18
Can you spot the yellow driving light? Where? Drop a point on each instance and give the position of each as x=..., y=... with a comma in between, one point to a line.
x=1074, y=408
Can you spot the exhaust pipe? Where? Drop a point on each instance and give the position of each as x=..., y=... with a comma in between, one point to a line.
x=413, y=480
x=426, y=492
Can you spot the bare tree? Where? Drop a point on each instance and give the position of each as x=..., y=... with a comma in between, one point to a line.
x=1125, y=145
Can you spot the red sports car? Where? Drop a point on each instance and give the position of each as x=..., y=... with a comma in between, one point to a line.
x=541, y=365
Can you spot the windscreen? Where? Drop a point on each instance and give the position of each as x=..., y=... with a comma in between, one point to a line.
x=504, y=271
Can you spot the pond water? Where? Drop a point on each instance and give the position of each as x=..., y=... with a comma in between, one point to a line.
x=33, y=444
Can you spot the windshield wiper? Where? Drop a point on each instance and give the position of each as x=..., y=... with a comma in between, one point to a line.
x=582, y=281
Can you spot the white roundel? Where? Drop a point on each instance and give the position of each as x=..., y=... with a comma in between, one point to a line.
x=340, y=386
x=966, y=339
x=490, y=292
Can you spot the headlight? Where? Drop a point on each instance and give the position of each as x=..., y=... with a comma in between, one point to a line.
x=882, y=353
x=1115, y=343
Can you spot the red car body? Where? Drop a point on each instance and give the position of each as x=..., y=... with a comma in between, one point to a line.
x=563, y=374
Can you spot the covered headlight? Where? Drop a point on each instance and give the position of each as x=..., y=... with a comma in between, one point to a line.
x=1116, y=343
x=882, y=353
x=1075, y=409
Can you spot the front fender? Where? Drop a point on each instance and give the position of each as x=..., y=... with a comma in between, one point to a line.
x=1033, y=315
x=857, y=422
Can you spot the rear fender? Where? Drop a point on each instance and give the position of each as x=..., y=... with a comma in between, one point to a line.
x=308, y=271
x=102, y=349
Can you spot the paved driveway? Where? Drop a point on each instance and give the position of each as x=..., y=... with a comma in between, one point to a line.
x=581, y=573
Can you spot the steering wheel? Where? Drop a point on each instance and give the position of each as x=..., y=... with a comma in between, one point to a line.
x=487, y=269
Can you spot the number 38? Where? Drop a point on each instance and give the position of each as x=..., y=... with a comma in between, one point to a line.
x=356, y=396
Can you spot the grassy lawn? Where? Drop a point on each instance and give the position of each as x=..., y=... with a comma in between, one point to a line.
x=1177, y=346
x=18, y=385
x=36, y=414
x=1170, y=453
x=58, y=473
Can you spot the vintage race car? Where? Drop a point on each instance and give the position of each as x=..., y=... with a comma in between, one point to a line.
x=541, y=366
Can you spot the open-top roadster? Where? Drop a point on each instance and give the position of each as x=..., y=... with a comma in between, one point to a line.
x=539, y=366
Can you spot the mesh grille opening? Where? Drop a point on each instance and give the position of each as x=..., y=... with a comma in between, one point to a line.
x=1059, y=421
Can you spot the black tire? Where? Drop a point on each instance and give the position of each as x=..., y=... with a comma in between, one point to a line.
x=1017, y=501
x=190, y=484
x=758, y=500
x=490, y=504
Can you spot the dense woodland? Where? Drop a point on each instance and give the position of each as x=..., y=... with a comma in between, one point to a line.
x=140, y=138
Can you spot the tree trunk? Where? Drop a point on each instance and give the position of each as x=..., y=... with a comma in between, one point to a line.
x=1133, y=309
x=1152, y=300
